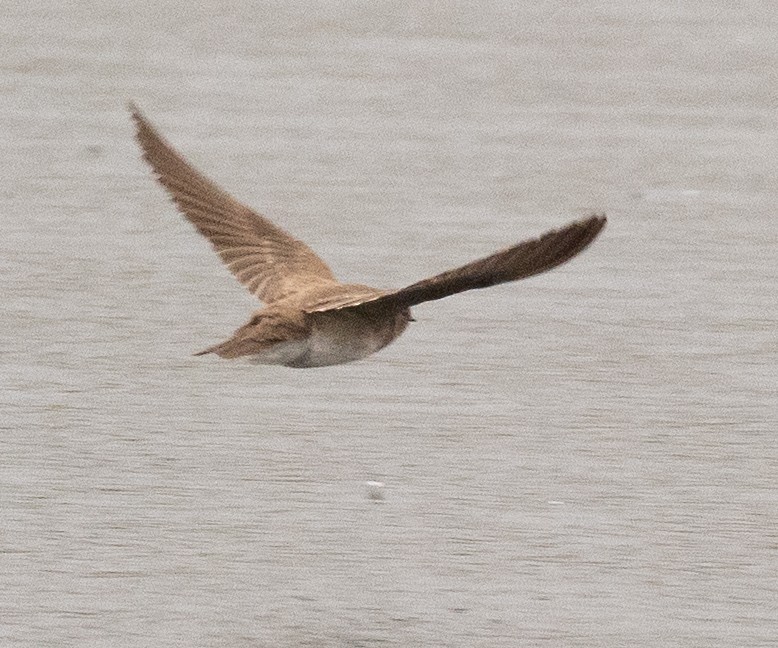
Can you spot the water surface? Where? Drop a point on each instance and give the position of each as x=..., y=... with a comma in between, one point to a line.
x=587, y=458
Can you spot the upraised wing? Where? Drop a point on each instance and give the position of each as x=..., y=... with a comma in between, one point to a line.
x=268, y=261
x=526, y=259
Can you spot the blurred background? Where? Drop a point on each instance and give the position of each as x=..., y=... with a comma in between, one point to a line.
x=586, y=458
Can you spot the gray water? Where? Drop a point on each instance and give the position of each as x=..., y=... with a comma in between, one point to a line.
x=586, y=458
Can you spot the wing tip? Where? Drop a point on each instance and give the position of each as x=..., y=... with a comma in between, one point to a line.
x=135, y=113
x=588, y=228
x=596, y=221
x=143, y=130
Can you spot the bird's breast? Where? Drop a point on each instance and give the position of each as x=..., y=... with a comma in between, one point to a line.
x=338, y=337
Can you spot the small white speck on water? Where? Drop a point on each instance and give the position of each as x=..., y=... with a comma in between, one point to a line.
x=555, y=502
x=375, y=490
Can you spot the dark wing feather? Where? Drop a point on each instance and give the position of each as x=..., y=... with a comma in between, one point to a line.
x=268, y=261
x=523, y=260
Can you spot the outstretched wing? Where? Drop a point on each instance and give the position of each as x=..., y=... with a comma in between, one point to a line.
x=523, y=260
x=268, y=261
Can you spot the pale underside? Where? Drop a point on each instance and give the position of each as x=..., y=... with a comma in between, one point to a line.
x=309, y=318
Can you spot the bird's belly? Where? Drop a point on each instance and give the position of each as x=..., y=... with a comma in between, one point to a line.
x=325, y=349
x=333, y=340
x=339, y=338
x=316, y=351
x=282, y=353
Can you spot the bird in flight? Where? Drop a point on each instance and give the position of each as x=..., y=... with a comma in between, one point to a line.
x=309, y=318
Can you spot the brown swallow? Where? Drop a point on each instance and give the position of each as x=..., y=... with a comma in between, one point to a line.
x=309, y=318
